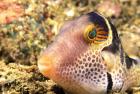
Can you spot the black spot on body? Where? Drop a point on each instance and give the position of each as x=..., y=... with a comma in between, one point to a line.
x=83, y=72
x=79, y=71
x=98, y=80
x=100, y=76
x=86, y=69
x=75, y=71
x=82, y=67
x=84, y=59
x=93, y=60
x=98, y=70
x=96, y=73
x=78, y=74
x=91, y=69
x=89, y=58
x=95, y=69
x=86, y=64
x=94, y=65
x=80, y=62
x=95, y=77
x=90, y=64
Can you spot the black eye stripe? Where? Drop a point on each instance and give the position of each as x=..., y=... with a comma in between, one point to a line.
x=103, y=34
x=100, y=29
x=101, y=38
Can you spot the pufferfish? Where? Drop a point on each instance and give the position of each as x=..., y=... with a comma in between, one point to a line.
x=87, y=57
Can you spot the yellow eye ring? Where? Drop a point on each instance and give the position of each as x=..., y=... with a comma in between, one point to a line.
x=90, y=33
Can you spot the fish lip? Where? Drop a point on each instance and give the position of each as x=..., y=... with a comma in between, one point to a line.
x=45, y=65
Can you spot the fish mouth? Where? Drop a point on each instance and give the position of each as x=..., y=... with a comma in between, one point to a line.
x=45, y=65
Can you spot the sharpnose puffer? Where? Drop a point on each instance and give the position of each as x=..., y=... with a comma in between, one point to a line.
x=87, y=58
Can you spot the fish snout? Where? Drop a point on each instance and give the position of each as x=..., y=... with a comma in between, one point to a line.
x=45, y=64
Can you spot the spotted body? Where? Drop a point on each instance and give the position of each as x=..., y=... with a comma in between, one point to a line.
x=87, y=58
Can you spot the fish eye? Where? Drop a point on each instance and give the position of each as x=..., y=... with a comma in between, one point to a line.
x=95, y=34
x=92, y=34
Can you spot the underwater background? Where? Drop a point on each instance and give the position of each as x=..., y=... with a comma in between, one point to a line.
x=28, y=26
